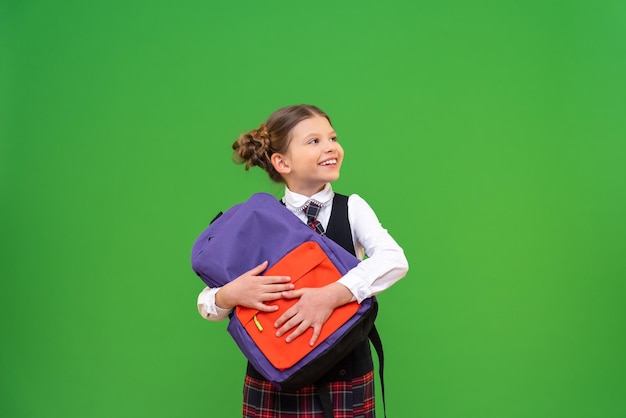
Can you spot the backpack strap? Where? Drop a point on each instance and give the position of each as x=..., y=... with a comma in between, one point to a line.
x=378, y=345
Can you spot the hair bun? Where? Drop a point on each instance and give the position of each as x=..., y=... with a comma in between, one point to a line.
x=262, y=131
x=253, y=147
x=261, y=136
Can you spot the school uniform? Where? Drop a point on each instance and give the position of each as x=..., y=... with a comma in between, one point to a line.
x=350, y=222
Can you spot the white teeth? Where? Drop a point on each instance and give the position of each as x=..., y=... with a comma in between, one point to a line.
x=329, y=162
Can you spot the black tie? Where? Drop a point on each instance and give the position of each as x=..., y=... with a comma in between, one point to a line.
x=312, y=209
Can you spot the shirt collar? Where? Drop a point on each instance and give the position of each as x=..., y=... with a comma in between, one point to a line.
x=297, y=201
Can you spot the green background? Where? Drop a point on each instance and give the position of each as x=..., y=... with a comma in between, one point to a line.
x=489, y=137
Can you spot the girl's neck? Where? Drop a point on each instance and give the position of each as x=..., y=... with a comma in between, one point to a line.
x=306, y=191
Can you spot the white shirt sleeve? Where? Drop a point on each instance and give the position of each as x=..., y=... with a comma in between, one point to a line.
x=385, y=263
x=207, y=307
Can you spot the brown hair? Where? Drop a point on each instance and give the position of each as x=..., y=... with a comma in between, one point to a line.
x=255, y=148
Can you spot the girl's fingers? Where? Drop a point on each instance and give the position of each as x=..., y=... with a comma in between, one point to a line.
x=278, y=288
x=292, y=294
x=266, y=308
x=257, y=270
x=273, y=294
x=274, y=279
x=316, y=333
x=299, y=331
x=286, y=322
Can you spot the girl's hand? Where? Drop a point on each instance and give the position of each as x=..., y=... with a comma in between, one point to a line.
x=312, y=310
x=252, y=290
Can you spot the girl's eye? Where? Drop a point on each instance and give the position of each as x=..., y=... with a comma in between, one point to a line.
x=314, y=141
x=334, y=139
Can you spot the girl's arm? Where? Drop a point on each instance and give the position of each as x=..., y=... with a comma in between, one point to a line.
x=385, y=265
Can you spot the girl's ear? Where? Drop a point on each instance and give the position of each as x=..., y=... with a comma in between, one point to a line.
x=280, y=163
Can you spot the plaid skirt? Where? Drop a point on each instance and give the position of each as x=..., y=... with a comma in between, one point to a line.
x=351, y=399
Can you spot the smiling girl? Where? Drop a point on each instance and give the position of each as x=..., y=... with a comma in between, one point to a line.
x=297, y=146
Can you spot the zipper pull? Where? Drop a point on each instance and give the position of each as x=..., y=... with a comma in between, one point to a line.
x=257, y=323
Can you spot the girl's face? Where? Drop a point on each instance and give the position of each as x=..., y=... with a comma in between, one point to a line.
x=313, y=157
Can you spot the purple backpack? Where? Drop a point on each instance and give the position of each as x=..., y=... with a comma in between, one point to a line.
x=263, y=229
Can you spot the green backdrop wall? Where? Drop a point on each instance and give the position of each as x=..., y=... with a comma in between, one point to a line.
x=489, y=136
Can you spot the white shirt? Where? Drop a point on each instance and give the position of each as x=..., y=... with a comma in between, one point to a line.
x=385, y=263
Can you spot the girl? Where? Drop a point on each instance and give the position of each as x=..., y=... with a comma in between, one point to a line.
x=298, y=146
